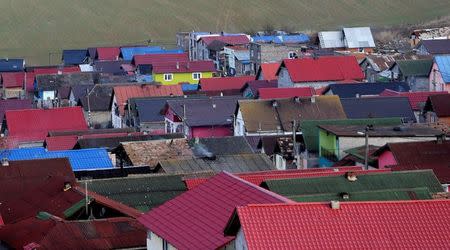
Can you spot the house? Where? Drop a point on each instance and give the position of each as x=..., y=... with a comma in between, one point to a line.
x=32, y=125
x=74, y=56
x=237, y=163
x=205, y=117
x=291, y=226
x=318, y=72
x=437, y=109
x=414, y=72
x=429, y=34
x=96, y=104
x=357, y=157
x=182, y=72
x=269, y=117
x=224, y=85
x=355, y=39
x=191, y=211
x=143, y=193
x=106, y=54
x=251, y=88
x=277, y=93
x=149, y=153
x=236, y=61
x=267, y=71
x=335, y=139
x=121, y=94
x=357, y=90
x=259, y=177
x=127, y=53
x=376, y=67
x=274, y=49
x=439, y=76
x=363, y=185
x=13, y=85
x=433, y=47
x=144, y=63
x=12, y=65
x=378, y=107
x=417, y=100
x=83, y=159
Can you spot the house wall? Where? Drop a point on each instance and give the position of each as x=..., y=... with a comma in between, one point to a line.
x=116, y=119
x=436, y=77
x=239, y=126
x=210, y=131
x=346, y=143
x=276, y=53
x=99, y=119
x=327, y=144
x=418, y=83
x=154, y=242
x=181, y=78
x=386, y=159
x=240, y=242
x=152, y=127
x=284, y=79
x=421, y=50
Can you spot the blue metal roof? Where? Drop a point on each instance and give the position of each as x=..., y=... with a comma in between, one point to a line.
x=74, y=56
x=129, y=52
x=443, y=63
x=83, y=159
x=189, y=87
x=300, y=38
x=11, y=65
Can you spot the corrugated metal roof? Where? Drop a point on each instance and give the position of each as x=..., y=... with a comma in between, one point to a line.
x=359, y=37
x=150, y=59
x=437, y=46
x=11, y=65
x=268, y=71
x=128, y=53
x=13, y=104
x=354, y=225
x=107, y=53
x=440, y=104
x=415, y=67
x=276, y=93
x=13, y=79
x=443, y=63
x=60, y=142
x=74, y=56
x=349, y=90
x=205, y=211
x=224, y=83
x=184, y=67
x=83, y=159
x=416, y=99
x=229, y=40
x=331, y=39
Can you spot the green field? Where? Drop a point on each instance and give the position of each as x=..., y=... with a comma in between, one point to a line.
x=34, y=28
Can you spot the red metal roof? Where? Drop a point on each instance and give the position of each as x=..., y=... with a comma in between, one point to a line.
x=159, y=58
x=229, y=40
x=13, y=79
x=196, y=218
x=60, y=142
x=34, y=124
x=224, y=83
x=326, y=68
x=123, y=93
x=268, y=71
x=257, y=178
x=441, y=170
x=29, y=81
x=108, y=53
x=441, y=104
x=184, y=67
x=24, y=232
x=274, y=93
x=415, y=98
x=54, y=70
x=355, y=225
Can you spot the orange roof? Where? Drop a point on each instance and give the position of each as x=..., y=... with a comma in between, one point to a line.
x=123, y=93
x=268, y=70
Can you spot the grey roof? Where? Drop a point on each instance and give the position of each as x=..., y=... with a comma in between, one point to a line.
x=81, y=90
x=230, y=163
x=378, y=107
x=361, y=89
x=229, y=145
x=383, y=131
x=99, y=98
x=441, y=46
x=214, y=111
x=110, y=67
x=331, y=39
x=359, y=37
x=55, y=81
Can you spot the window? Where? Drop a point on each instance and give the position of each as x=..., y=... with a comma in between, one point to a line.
x=292, y=55
x=196, y=76
x=168, y=77
x=165, y=245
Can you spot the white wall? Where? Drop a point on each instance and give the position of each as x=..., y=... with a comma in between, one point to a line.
x=116, y=120
x=239, y=128
x=154, y=242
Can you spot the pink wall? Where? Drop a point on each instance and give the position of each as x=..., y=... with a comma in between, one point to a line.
x=440, y=85
x=204, y=132
x=386, y=159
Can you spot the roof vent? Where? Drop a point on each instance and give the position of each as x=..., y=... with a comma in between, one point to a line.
x=297, y=99
x=345, y=196
x=5, y=162
x=214, y=106
x=67, y=186
x=274, y=103
x=335, y=205
x=313, y=99
x=351, y=176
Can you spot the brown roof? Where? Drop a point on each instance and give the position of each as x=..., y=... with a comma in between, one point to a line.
x=149, y=153
x=383, y=131
x=440, y=104
x=274, y=115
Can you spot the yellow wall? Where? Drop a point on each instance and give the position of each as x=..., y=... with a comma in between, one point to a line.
x=180, y=77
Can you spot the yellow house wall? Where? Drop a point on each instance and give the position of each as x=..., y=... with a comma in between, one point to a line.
x=180, y=77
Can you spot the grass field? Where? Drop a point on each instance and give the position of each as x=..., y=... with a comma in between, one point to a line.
x=35, y=28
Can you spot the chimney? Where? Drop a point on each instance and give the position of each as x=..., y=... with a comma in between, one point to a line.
x=67, y=186
x=274, y=103
x=345, y=196
x=313, y=99
x=351, y=176
x=5, y=162
x=335, y=205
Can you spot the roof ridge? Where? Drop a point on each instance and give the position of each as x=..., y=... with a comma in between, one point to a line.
x=251, y=185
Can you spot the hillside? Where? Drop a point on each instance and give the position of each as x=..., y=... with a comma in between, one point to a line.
x=32, y=29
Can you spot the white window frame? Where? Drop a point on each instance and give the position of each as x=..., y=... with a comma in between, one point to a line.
x=168, y=77
x=196, y=73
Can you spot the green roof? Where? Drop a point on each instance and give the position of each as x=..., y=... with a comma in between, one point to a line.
x=43, y=215
x=141, y=192
x=364, y=182
x=310, y=129
x=421, y=193
x=415, y=67
x=76, y=207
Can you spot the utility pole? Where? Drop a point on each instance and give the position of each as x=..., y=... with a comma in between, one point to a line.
x=366, y=156
x=434, y=80
x=294, y=140
x=89, y=107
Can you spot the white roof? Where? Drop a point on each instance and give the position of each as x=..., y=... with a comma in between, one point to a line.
x=331, y=39
x=86, y=68
x=359, y=37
